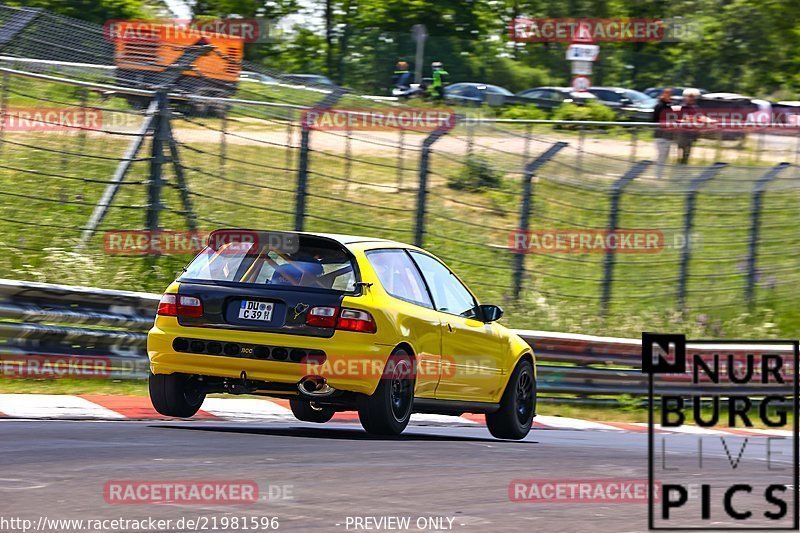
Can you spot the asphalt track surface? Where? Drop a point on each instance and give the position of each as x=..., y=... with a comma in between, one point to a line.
x=59, y=469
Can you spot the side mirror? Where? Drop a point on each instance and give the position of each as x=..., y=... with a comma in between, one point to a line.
x=490, y=313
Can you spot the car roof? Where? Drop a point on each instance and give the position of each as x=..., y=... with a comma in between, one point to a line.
x=340, y=238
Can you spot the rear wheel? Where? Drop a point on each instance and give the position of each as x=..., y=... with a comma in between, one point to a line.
x=388, y=410
x=175, y=395
x=517, y=407
x=305, y=411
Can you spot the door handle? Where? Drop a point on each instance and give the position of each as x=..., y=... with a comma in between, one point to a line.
x=449, y=328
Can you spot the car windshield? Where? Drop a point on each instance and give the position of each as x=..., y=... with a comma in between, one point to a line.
x=275, y=259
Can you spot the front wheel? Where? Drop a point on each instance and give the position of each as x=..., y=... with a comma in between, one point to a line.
x=388, y=410
x=517, y=407
x=175, y=395
x=305, y=411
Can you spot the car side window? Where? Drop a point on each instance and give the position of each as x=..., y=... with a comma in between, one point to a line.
x=538, y=93
x=399, y=276
x=608, y=96
x=449, y=294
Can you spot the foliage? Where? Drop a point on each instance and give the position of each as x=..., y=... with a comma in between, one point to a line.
x=97, y=11
x=477, y=174
x=529, y=112
x=588, y=111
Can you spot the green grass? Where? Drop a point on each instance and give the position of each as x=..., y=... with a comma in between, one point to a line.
x=41, y=217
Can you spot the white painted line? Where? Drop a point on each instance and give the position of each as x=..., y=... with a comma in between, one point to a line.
x=560, y=422
x=246, y=409
x=53, y=406
x=423, y=418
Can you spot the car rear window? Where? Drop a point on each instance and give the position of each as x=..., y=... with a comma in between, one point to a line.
x=274, y=259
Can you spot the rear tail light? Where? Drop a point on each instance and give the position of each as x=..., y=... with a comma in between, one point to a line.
x=322, y=317
x=167, y=306
x=356, y=320
x=177, y=305
x=190, y=306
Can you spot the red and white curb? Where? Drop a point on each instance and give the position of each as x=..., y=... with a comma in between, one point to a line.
x=106, y=407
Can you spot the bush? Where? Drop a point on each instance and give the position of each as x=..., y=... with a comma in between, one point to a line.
x=590, y=111
x=477, y=175
x=512, y=75
x=526, y=112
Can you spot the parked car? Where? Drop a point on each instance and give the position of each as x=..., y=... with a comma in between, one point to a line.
x=550, y=98
x=787, y=112
x=629, y=104
x=479, y=93
x=677, y=92
x=726, y=103
x=336, y=323
x=308, y=79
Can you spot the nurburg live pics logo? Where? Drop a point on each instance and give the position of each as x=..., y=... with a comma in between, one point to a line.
x=744, y=477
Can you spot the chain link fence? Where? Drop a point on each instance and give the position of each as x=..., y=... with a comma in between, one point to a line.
x=567, y=219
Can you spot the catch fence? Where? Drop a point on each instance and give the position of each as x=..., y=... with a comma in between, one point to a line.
x=555, y=219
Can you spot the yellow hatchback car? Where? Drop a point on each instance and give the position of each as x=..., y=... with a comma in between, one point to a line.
x=336, y=323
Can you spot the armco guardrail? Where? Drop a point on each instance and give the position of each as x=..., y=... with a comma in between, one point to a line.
x=43, y=331
x=66, y=331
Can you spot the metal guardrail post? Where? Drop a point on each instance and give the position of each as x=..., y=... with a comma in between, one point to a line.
x=525, y=209
x=180, y=177
x=302, y=177
x=613, y=224
x=422, y=191
x=157, y=160
x=302, y=163
x=755, y=227
x=121, y=171
x=688, y=224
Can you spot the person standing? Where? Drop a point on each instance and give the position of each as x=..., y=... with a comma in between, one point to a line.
x=439, y=80
x=401, y=77
x=663, y=136
x=690, y=117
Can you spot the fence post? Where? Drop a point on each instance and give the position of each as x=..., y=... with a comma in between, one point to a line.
x=302, y=164
x=100, y=210
x=755, y=226
x=223, y=143
x=422, y=191
x=157, y=160
x=688, y=224
x=3, y=107
x=401, y=159
x=581, y=140
x=613, y=220
x=525, y=210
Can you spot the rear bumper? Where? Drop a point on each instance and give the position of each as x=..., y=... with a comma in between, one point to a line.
x=353, y=361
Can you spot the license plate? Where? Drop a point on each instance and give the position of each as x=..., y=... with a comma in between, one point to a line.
x=252, y=310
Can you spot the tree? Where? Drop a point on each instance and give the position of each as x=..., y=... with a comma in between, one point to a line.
x=97, y=11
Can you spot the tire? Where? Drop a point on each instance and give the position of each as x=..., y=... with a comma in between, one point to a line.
x=517, y=407
x=388, y=410
x=173, y=395
x=305, y=412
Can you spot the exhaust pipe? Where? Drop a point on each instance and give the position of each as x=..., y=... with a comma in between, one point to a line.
x=315, y=386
